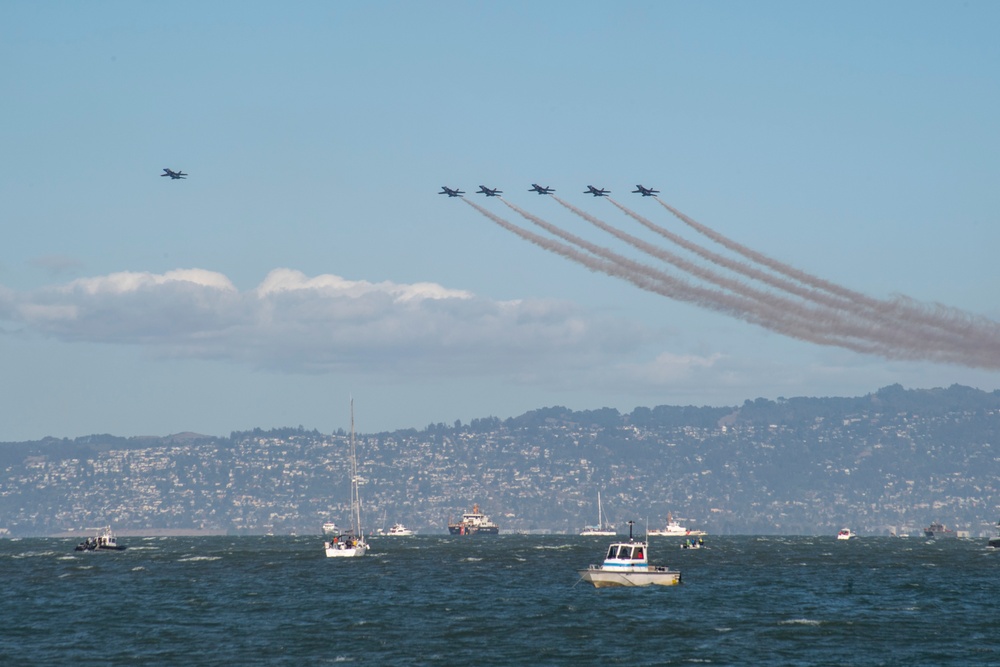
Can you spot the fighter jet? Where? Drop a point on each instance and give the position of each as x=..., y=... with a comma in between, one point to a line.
x=646, y=192
x=483, y=190
x=445, y=190
x=535, y=187
x=591, y=190
x=174, y=175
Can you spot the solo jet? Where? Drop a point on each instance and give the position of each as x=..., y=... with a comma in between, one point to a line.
x=591, y=190
x=174, y=175
x=535, y=187
x=445, y=190
x=483, y=190
x=646, y=192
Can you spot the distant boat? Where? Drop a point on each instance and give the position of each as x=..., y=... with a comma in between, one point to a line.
x=627, y=564
x=330, y=528
x=351, y=543
x=103, y=541
x=995, y=541
x=473, y=523
x=939, y=530
x=600, y=528
x=399, y=530
x=674, y=529
x=845, y=534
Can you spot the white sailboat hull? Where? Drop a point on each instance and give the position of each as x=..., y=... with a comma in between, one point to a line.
x=340, y=550
x=601, y=528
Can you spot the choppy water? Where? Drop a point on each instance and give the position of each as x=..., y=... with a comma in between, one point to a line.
x=507, y=600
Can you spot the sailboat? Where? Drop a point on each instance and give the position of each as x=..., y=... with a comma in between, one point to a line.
x=351, y=543
x=600, y=528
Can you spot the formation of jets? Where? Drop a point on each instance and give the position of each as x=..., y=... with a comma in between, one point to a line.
x=174, y=175
x=535, y=187
x=646, y=192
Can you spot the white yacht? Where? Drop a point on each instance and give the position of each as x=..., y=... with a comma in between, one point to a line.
x=399, y=530
x=845, y=534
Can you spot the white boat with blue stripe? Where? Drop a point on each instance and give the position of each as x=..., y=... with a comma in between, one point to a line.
x=627, y=564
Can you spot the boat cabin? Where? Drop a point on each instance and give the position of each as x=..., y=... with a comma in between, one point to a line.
x=626, y=555
x=626, y=564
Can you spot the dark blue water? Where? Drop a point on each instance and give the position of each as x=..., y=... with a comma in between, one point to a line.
x=508, y=600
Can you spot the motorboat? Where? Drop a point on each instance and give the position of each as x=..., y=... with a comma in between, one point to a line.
x=103, y=541
x=627, y=564
x=845, y=534
x=693, y=544
x=399, y=530
x=330, y=528
x=600, y=528
x=351, y=543
x=674, y=529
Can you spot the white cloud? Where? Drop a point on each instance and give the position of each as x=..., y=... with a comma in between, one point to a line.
x=299, y=324
x=127, y=281
x=287, y=280
x=668, y=368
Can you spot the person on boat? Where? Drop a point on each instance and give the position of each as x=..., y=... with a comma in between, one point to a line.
x=638, y=553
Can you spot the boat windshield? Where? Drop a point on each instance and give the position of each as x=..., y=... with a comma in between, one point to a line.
x=625, y=552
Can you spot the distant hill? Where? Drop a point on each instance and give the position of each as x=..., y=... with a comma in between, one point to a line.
x=890, y=461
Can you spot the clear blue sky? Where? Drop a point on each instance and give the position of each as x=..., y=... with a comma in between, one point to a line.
x=308, y=257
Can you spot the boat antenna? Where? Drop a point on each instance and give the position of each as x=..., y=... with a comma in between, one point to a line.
x=630, y=530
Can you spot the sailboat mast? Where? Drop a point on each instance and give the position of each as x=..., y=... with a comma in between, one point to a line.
x=355, y=496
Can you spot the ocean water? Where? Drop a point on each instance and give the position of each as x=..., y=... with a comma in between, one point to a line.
x=507, y=600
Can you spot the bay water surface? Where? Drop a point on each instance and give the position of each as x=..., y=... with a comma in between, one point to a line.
x=505, y=600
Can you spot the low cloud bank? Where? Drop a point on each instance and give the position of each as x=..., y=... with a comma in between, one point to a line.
x=295, y=323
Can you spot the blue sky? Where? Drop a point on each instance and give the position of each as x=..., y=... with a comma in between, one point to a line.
x=308, y=257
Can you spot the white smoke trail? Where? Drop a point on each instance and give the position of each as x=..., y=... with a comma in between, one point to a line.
x=660, y=282
x=968, y=339
x=936, y=315
x=919, y=335
x=825, y=325
x=891, y=339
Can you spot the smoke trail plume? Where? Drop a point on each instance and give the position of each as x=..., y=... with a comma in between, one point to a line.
x=811, y=328
x=821, y=312
x=891, y=339
x=936, y=315
x=920, y=336
x=972, y=340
